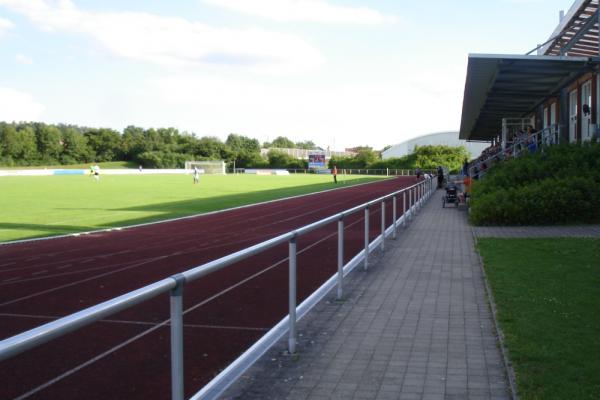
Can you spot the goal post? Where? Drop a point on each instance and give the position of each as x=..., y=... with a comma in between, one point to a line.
x=210, y=167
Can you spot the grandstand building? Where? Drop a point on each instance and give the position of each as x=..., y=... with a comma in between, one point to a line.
x=433, y=139
x=554, y=89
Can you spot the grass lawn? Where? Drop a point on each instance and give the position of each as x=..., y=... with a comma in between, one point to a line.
x=547, y=292
x=53, y=205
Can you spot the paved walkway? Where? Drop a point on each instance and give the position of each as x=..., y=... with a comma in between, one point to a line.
x=417, y=325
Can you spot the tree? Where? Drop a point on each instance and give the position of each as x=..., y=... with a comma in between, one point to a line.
x=239, y=143
x=428, y=158
x=210, y=147
x=307, y=145
x=29, y=154
x=106, y=143
x=133, y=142
x=49, y=142
x=76, y=149
x=246, y=159
x=10, y=143
x=278, y=159
x=167, y=135
x=366, y=156
x=282, y=142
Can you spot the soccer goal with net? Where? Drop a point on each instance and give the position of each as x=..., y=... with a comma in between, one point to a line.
x=214, y=167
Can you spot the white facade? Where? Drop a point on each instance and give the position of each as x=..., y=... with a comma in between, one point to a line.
x=434, y=139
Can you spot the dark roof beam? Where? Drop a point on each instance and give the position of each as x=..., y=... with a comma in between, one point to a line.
x=514, y=93
x=586, y=26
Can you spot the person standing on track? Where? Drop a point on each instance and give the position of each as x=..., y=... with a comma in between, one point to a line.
x=334, y=173
x=418, y=173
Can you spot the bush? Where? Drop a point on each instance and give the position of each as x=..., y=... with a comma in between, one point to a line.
x=559, y=186
x=278, y=159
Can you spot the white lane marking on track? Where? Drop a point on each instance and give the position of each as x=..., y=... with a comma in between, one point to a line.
x=39, y=272
x=50, y=264
x=146, y=323
x=79, y=271
x=8, y=263
x=82, y=281
x=163, y=323
x=11, y=279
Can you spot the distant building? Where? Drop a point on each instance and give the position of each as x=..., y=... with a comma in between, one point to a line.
x=303, y=153
x=433, y=139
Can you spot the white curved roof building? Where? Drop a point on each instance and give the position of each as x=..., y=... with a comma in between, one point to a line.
x=433, y=139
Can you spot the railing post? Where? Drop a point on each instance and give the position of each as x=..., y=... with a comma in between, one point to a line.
x=410, y=202
x=292, y=295
x=382, y=225
x=366, y=237
x=394, y=217
x=417, y=198
x=404, y=214
x=340, y=258
x=176, y=300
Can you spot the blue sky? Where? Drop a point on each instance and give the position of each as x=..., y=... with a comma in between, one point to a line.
x=339, y=73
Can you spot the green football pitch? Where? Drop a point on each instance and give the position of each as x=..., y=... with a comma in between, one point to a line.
x=39, y=206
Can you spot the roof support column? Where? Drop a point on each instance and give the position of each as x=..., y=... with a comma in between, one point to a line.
x=563, y=120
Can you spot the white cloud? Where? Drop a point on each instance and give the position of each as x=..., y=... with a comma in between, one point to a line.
x=172, y=41
x=341, y=115
x=23, y=59
x=304, y=10
x=5, y=25
x=18, y=106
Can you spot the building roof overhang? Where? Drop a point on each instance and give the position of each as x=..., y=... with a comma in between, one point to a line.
x=511, y=86
x=577, y=33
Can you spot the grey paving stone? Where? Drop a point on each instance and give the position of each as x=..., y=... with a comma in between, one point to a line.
x=416, y=325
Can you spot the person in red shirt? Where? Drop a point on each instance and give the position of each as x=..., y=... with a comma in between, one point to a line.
x=466, y=188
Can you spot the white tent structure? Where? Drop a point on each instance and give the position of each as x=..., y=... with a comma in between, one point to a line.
x=433, y=139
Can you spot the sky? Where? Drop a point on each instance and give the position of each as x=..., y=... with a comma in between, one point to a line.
x=341, y=73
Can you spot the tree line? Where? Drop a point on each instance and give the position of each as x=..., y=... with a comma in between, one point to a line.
x=37, y=143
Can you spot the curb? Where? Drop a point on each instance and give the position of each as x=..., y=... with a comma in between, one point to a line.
x=508, y=369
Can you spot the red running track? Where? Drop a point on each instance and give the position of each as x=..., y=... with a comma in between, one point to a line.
x=127, y=356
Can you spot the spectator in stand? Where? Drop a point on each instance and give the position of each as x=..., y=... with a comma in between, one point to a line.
x=532, y=145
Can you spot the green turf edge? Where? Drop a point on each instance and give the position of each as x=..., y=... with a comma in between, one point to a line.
x=547, y=296
x=100, y=208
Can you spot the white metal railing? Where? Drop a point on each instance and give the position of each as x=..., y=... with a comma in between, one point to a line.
x=546, y=137
x=414, y=196
x=364, y=171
